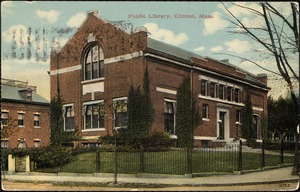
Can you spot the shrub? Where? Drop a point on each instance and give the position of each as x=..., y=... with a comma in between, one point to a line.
x=51, y=156
x=154, y=140
x=4, y=159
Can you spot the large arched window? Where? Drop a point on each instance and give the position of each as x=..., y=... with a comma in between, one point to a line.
x=94, y=63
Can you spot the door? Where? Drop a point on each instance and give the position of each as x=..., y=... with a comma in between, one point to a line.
x=223, y=124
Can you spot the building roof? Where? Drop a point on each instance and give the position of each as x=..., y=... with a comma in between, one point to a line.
x=187, y=55
x=13, y=93
x=171, y=50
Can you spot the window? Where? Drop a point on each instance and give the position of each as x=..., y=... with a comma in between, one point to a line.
x=237, y=95
x=94, y=63
x=221, y=91
x=21, y=117
x=120, y=112
x=68, y=117
x=205, y=111
x=94, y=115
x=29, y=95
x=36, y=120
x=238, y=116
x=4, y=119
x=213, y=87
x=37, y=143
x=229, y=93
x=4, y=143
x=204, y=87
x=169, y=110
x=255, y=125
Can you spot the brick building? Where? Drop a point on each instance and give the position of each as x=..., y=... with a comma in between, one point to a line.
x=25, y=120
x=99, y=63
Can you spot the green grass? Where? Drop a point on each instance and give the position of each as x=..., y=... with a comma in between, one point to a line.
x=170, y=162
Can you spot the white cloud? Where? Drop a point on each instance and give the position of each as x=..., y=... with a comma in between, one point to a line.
x=165, y=35
x=199, y=48
x=76, y=20
x=216, y=48
x=50, y=16
x=214, y=24
x=237, y=46
x=16, y=31
x=29, y=70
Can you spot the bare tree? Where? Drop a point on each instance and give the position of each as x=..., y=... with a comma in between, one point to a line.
x=278, y=34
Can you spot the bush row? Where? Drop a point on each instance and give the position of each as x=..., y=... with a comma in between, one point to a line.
x=268, y=145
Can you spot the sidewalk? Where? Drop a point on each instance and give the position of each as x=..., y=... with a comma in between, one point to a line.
x=268, y=176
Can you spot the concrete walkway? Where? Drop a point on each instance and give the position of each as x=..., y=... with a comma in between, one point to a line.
x=261, y=177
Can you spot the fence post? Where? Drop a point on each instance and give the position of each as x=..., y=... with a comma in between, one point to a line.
x=142, y=161
x=97, y=161
x=240, y=168
x=262, y=155
x=189, y=160
x=281, y=151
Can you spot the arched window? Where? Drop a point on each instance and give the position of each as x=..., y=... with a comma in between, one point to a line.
x=94, y=63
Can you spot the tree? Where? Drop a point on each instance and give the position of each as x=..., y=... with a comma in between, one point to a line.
x=282, y=116
x=279, y=37
x=8, y=127
x=187, y=117
x=140, y=111
x=56, y=121
x=247, y=121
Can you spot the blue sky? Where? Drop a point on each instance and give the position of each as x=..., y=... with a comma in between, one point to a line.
x=205, y=36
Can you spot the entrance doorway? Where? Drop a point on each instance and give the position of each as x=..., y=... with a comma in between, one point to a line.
x=223, y=124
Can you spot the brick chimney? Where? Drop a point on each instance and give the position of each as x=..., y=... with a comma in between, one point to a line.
x=263, y=78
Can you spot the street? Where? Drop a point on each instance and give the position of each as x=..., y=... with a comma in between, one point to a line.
x=19, y=186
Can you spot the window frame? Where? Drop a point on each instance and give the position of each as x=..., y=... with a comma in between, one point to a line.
x=21, y=114
x=4, y=143
x=256, y=121
x=229, y=93
x=65, y=111
x=205, y=111
x=38, y=120
x=89, y=107
x=37, y=141
x=204, y=88
x=167, y=115
x=93, y=69
x=238, y=115
x=4, y=119
x=213, y=89
x=237, y=95
x=115, y=115
x=221, y=91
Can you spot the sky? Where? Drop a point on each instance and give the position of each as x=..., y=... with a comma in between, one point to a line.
x=30, y=29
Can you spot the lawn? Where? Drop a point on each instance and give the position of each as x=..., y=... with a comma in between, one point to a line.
x=169, y=162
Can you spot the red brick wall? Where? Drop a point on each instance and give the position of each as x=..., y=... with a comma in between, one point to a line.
x=28, y=132
x=120, y=75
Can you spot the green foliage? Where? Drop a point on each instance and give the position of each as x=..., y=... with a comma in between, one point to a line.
x=187, y=117
x=140, y=111
x=56, y=121
x=137, y=124
x=153, y=141
x=282, y=116
x=264, y=127
x=4, y=159
x=247, y=129
x=58, y=136
x=50, y=157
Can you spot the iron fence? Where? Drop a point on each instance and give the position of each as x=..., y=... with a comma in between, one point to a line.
x=173, y=161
